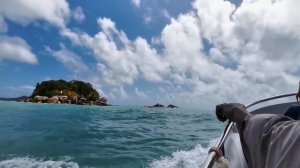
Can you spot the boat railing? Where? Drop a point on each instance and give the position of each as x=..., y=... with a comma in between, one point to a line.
x=212, y=156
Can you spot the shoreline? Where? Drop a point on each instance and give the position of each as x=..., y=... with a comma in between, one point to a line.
x=62, y=99
x=109, y=105
x=55, y=104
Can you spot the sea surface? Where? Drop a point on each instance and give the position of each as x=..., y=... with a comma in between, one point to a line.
x=70, y=136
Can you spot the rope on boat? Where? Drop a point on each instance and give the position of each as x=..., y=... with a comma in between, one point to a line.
x=221, y=161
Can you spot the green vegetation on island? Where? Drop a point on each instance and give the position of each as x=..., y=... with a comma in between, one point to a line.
x=61, y=91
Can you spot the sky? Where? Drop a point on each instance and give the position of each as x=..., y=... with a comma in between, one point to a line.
x=192, y=53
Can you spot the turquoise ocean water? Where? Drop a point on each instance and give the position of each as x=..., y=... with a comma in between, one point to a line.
x=43, y=135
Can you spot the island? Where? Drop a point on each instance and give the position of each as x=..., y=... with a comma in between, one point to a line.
x=66, y=92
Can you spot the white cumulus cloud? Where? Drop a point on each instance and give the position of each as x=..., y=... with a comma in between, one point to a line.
x=121, y=61
x=26, y=11
x=55, y=12
x=16, y=49
x=70, y=60
x=253, y=53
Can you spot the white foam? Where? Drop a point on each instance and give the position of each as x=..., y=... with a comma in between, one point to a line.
x=26, y=162
x=184, y=159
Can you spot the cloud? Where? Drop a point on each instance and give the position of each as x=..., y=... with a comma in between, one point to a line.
x=29, y=87
x=140, y=94
x=3, y=25
x=16, y=91
x=166, y=14
x=70, y=60
x=16, y=49
x=118, y=93
x=147, y=19
x=74, y=37
x=252, y=53
x=217, y=56
x=121, y=61
x=182, y=42
x=148, y=15
x=53, y=11
x=78, y=14
x=151, y=11
x=137, y=3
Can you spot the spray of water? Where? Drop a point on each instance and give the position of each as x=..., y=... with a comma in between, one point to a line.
x=185, y=159
x=26, y=162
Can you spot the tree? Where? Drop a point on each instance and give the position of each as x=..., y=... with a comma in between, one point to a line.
x=72, y=88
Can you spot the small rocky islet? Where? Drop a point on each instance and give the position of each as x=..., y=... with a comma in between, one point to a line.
x=158, y=105
x=66, y=92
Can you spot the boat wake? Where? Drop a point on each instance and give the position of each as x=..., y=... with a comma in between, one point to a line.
x=26, y=162
x=185, y=159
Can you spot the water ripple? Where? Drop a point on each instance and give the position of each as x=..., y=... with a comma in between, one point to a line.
x=107, y=137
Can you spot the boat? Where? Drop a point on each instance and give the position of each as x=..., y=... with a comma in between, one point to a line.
x=229, y=142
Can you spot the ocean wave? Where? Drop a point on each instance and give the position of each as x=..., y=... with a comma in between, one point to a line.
x=26, y=162
x=185, y=159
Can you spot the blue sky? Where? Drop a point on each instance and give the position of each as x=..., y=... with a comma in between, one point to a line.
x=39, y=34
x=139, y=52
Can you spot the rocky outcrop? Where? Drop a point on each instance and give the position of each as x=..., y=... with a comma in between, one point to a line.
x=157, y=105
x=172, y=106
x=53, y=100
x=61, y=99
x=41, y=99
